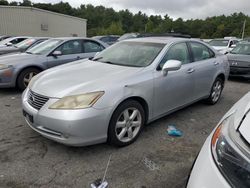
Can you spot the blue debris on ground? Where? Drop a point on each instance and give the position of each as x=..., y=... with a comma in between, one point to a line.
x=173, y=131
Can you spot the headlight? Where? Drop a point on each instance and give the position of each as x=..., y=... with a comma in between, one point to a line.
x=233, y=165
x=77, y=101
x=4, y=66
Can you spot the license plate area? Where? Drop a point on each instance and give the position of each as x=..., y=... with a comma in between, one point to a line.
x=28, y=116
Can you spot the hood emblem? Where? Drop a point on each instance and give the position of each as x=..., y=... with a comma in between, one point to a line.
x=32, y=98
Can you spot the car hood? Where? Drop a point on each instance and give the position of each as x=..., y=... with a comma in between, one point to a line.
x=242, y=109
x=12, y=59
x=80, y=77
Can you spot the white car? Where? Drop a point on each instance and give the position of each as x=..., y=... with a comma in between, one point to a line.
x=224, y=160
x=224, y=45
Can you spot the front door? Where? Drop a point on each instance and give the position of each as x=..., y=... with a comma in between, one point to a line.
x=176, y=88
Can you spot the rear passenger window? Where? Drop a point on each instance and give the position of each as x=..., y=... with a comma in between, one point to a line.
x=90, y=46
x=177, y=52
x=201, y=52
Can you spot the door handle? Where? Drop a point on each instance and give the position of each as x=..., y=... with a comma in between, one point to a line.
x=189, y=71
x=78, y=57
x=216, y=63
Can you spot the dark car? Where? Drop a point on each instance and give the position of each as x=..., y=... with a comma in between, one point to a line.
x=239, y=59
x=22, y=46
x=109, y=39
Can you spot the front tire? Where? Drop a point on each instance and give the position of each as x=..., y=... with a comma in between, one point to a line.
x=25, y=76
x=216, y=91
x=126, y=123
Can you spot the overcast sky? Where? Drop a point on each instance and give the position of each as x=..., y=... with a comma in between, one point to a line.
x=174, y=8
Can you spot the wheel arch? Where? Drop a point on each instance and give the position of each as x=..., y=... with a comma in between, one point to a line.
x=24, y=68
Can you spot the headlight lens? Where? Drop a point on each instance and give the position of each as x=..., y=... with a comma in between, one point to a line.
x=234, y=166
x=77, y=101
x=4, y=66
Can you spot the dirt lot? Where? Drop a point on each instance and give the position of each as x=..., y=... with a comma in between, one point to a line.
x=155, y=160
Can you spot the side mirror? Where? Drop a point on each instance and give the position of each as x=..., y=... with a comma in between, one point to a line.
x=57, y=53
x=171, y=65
x=9, y=44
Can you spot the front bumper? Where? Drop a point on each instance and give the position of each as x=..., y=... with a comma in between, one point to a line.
x=70, y=127
x=7, y=78
x=205, y=173
x=243, y=72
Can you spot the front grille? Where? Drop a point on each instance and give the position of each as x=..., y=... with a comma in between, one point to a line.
x=36, y=101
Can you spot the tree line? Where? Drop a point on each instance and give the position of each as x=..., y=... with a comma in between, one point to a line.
x=102, y=21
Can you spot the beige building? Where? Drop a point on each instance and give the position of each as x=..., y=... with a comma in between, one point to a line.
x=17, y=21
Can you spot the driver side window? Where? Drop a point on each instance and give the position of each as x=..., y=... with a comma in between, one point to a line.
x=70, y=47
x=177, y=52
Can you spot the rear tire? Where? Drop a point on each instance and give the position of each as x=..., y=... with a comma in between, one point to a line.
x=216, y=91
x=126, y=123
x=25, y=76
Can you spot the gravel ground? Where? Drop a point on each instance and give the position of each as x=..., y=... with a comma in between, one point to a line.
x=154, y=160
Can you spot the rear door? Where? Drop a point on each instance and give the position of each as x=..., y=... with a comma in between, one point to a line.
x=205, y=67
x=177, y=87
x=71, y=51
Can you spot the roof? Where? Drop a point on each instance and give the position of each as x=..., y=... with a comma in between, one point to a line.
x=41, y=10
x=162, y=40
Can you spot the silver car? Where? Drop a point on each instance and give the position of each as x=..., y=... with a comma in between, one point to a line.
x=12, y=41
x=18, y=69
x=239, y=59
x=131, y=83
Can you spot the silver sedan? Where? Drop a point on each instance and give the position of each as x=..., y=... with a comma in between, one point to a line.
x=111, y=97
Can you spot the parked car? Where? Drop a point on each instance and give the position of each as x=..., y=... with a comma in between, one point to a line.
x=224, y=160
x=239, y=60
x=12, y=41
x=109, y=39
x=131, y=83
x=22, y=46
x=4, y=37
x=18, y=69
x=224, y=45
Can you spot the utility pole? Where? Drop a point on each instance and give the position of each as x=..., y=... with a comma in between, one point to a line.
x=243, y=31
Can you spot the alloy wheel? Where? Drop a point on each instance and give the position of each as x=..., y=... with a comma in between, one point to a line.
x=27, y=78
x=216, y=92
x=128, y=124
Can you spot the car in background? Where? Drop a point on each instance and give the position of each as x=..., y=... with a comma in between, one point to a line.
x=4, y=37
x=224, y=45
x=239, y=60
x=12, y=41
x=18, y=69
x=224, y=160
x=109, y=39
x=22, y=46
x=131, y=83
x=128, y=36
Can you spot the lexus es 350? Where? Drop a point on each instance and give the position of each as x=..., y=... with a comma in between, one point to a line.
x=131, y=83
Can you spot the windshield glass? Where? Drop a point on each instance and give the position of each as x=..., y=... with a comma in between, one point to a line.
x=44, y=47
x=25, y=44
x=243, y=49
x=135, y=54
x=219, y=42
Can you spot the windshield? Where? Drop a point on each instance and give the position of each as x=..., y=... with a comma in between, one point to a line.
x=25, y=44
x=134, y=54
x=44, y=47
x=219, y=42
x=243, y=49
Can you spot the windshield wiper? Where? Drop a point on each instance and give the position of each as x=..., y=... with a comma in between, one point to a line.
x=28, y=53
